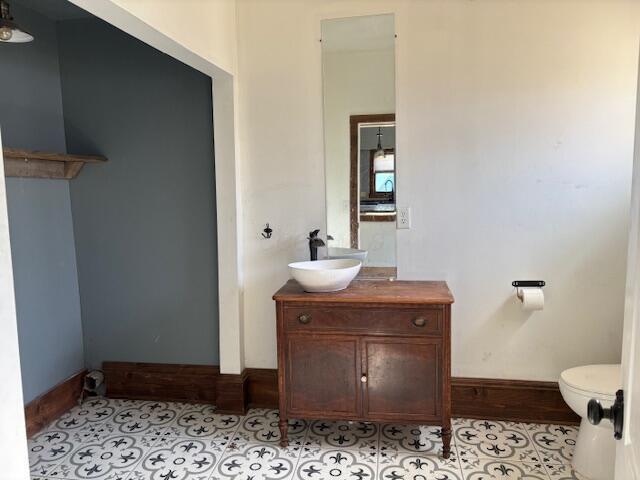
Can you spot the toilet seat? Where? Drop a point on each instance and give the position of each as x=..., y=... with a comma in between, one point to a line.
x=588, y=395
x=600, y=381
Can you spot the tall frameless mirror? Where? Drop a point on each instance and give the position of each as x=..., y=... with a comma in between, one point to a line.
x=358, y=68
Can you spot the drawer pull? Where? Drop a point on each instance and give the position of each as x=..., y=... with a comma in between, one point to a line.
x=305, y=318
x=363, y=378
x=419, y=322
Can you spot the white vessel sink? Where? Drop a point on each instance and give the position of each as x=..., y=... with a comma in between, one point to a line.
x=325, y=275
x=337, y=252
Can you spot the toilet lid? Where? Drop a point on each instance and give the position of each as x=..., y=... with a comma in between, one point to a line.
x=602, y=379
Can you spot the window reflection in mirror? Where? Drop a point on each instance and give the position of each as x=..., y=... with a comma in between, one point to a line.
x=358, y=68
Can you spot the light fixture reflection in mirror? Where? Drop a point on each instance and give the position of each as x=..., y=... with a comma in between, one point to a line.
x=358, y=68
x=382, y=161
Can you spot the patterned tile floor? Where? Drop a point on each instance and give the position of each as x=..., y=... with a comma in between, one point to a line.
x=105, y=439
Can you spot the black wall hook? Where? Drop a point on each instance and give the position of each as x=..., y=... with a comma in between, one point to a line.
x=268, y=231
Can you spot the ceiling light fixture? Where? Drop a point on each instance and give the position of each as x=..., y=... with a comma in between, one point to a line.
x=10, y=32
x=382, y=162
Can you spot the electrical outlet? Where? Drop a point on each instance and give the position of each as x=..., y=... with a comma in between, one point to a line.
x=403, y=220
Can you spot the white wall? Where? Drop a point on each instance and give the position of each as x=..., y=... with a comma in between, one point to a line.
x=354, y=83
x=13, y=440
x=515, y=123
x=206, y=27
x=525, y=155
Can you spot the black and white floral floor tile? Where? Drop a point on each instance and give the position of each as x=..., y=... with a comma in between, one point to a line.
x=261, y=425
x=241, y=439
x=105, y=439
x=339, y=434
x=110, y=458
x=93, y=431
x=179, y=459
x=489, y=469
x=560, y=471
x=494, y=440
x=48, y=449
x=413, y=438
x=92, y=411
x=256, y=461
x=146, y=418
x=338, y=464
x=420, y=466
x=388, y=453
x=554, y=443
x=202, y=421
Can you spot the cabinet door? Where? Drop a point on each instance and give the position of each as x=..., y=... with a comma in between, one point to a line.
x=323, y=375
x=403, y=378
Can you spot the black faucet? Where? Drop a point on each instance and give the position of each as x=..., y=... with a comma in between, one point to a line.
x=315, y=242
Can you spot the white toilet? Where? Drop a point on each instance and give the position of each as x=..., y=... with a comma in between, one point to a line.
x=594, y=454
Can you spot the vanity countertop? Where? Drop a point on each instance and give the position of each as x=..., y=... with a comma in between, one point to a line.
x=373, y=291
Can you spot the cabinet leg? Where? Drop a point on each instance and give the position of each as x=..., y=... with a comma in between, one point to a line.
x=446, y=440
x=284, y=432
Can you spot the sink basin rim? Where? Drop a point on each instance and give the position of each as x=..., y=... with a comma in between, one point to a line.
x=327, y=265
x=343, y=252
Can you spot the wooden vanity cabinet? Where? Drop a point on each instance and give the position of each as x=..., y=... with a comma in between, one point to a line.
x=378, y=351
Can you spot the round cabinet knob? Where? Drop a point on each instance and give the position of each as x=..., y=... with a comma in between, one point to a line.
x=419, y=322
x=304, y=318
x=363, y=378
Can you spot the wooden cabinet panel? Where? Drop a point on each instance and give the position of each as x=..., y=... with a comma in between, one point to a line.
x=403, y=377
x=370, y=320
x=323, y=374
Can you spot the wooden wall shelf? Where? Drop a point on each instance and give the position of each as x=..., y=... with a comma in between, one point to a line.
x=27, y=163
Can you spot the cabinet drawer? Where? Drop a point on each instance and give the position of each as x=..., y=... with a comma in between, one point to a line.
x=372, y=320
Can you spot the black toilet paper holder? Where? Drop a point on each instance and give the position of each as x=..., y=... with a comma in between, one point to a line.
x=528, y=283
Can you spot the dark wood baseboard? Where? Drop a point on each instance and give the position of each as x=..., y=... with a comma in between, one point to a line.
x=156, y=381
x=492, y=399
x=514, y=400
x=178, y=383
x=263, y=387
x=232, y=396
x=44, y=409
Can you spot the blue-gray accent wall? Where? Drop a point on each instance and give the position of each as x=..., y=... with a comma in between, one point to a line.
x=46, y=283
x=42, y=243
x=30, y=95
x=144, y=222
